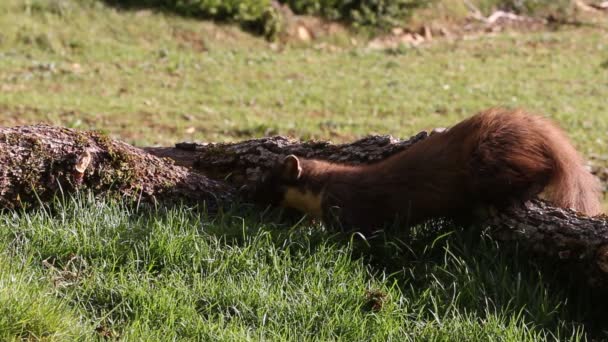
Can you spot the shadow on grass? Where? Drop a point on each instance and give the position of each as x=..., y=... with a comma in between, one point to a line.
x=257, y=26
x=514, y=280
x=480, y=274
x=157, y=5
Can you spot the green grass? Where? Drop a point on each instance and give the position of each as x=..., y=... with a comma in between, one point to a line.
x=178, y=274
x=91, y=267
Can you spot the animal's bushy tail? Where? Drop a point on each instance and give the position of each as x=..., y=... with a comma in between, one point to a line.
x=572, y=185
x=515, y=153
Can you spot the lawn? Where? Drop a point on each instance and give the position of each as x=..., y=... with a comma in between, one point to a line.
x=84, y=268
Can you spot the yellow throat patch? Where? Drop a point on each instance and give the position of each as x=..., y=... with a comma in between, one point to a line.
x=305, y=201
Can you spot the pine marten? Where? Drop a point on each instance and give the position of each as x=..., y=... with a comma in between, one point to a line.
x=497, y=157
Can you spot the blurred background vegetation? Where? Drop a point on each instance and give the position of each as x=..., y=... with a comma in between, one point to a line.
x=264, y=16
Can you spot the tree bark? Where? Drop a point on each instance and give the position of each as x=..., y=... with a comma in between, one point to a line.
x=244, y=162
x=38, y=161
x=575, y=243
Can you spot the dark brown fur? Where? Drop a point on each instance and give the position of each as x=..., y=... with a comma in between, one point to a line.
x=496, y=157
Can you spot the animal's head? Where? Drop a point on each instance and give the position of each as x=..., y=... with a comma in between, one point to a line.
x=290, y=184
x=273, y=185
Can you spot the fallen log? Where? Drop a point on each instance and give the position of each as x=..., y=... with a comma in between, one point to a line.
x=38, y=161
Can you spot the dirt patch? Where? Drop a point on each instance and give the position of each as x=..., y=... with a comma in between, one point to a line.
x=190, y=40
x=307, y=28
x=473, y=27
x=303, y=28
x=17, y=116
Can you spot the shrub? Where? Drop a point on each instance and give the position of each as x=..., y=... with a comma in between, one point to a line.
x=241, y=10
x=545, y=8
x=362, y=13
x=541, y=8
x=253, y=14
x=260, y=15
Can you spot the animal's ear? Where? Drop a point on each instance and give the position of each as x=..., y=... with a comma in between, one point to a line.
x=292, y=170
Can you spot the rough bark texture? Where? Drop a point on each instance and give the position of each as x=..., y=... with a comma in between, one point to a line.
x=244, y=162
x=36, y=161
x=578, y=244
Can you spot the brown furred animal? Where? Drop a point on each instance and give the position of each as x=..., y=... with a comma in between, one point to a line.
x=497, y=157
